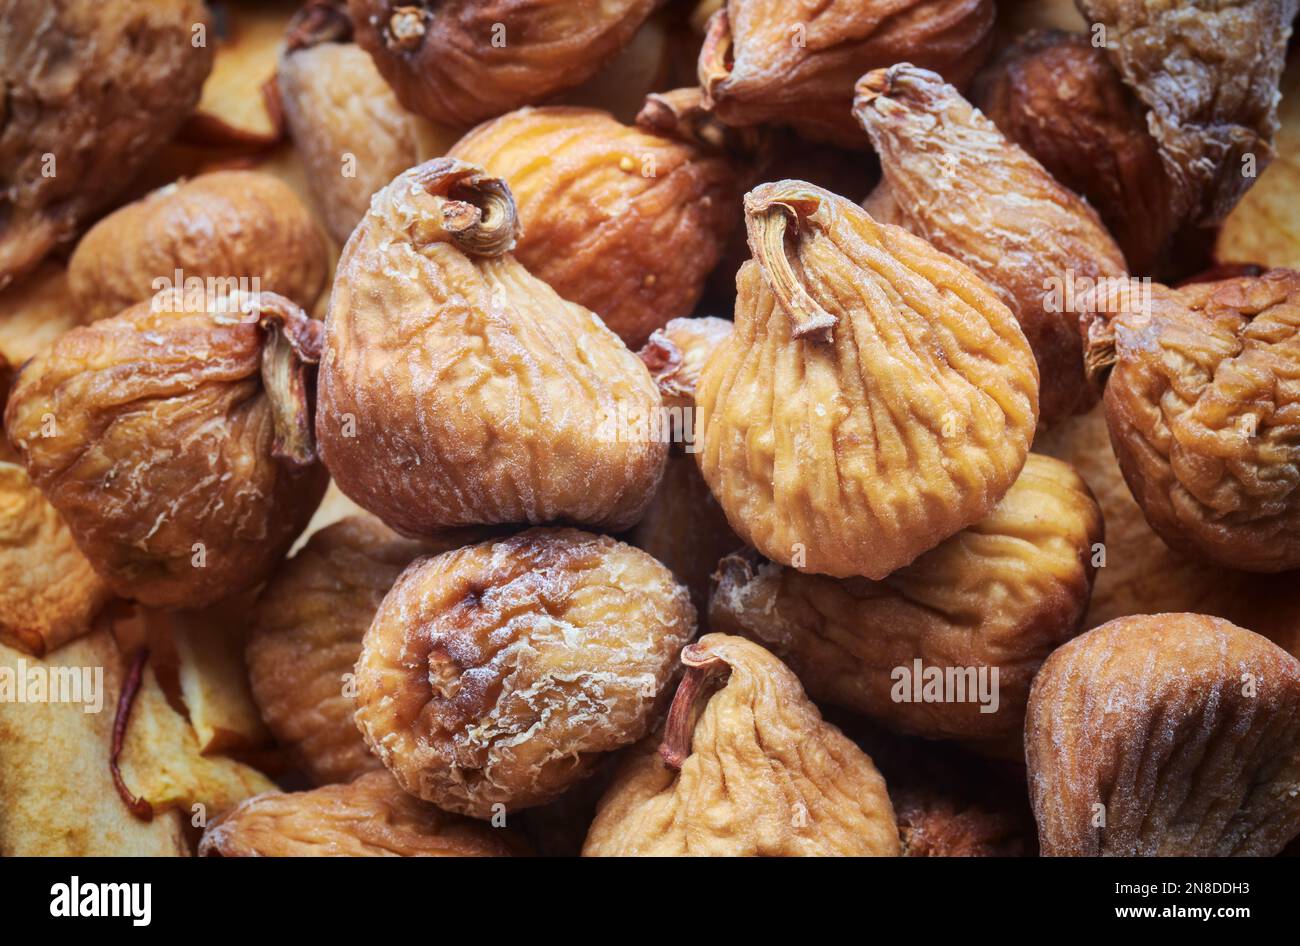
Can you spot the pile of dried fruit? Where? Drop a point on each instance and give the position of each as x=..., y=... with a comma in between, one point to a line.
x=696, y=427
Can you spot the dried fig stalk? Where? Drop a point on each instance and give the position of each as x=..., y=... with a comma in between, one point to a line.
x=496, y=676
x=157, y=434
x=959, y=183
x=771, y=61
x=368, y=817
x=459, y=62
x=747, y=767
x=220, y=232
x=1165, y=735
x=865, y=365
x=623, y=222
x=458, y=389
x=91, y=92
x=997, y=597
x=1204, y=415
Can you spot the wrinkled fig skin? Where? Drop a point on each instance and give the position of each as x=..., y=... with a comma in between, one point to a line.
x=154, y=435
x=1186, y=728
x=754, y=68
x=460, y=62
x=1058, y=97
x=866, y=370
x=229, y=229
x=959, y=183
x=757, y=773
x=495, y=677
x=95, y=88
x=458, y=389
x=623, y=222
x=1204, y=416
x=1001, y=594
x=307, y=632
x=1209, y=73
x=368, y=817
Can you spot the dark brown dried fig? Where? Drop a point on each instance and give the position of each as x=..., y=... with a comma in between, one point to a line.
x=1165, y=735
x=458, y=389
x=90, y=92
x=176, y=444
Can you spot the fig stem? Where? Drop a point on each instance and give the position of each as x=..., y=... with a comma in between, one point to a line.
x=768, y=225
x=479, y=213
x=138, y=805
x=682, y=116
x=320, y=21
x=291, y=346
x=679, y=730
x=713, y=69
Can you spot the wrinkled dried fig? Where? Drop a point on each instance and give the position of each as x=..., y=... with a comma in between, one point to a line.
x=176, y=444
x=458, y=389
x=747, y=766
x=91, y=91
x=1204, y=415
x=874, y=398
x=959, y=183
x=368, y=817
x=1057, y=96
x=979, y=613
x=459, y=62
x=494, y=677
x=1167, y=735
x=217, y=233
x=771, y=61
x=626, y=223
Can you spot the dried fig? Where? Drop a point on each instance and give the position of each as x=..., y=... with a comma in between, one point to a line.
x=176, y=444
x=754, y=771
x=91, y=91
x=368, y=817
x=35, y=312
x=626, y=223
x=494, y=677
x=220, y=232
x=959, y=183
x=459, y=62
x=978, y=613
x=1166, y=735
x=1057, y=96
x=865, y=365
x=457, y=389
x=770, y=61
x=1203, y=414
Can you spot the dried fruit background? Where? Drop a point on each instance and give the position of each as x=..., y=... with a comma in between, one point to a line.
x=650, y=427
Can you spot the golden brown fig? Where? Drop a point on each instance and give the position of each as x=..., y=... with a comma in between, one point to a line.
x=1057, y=96
x=959, y=183
x=626, y=223
x=978, y=614
x=1165, y=735
x=458, y=62
x=458, y=389
x=753, y=771
x=494, y=677
x=874, y=398
x=176, y=444
x=307, y=634
x=1204, y=415
x=368, y=817
x=1209, y=73
x=208, y=236
x=91, y=92
x=772, y=61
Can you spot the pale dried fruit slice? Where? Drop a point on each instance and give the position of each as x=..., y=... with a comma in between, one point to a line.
x=219, y=233
x=747, y=767
x=975, y=616
x=1166, y=735
x=496, y=676
x=875, y=397
x=368, y=817
x=626, y=223
x=458, y=389
x=959, y=183
x=770, y=61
